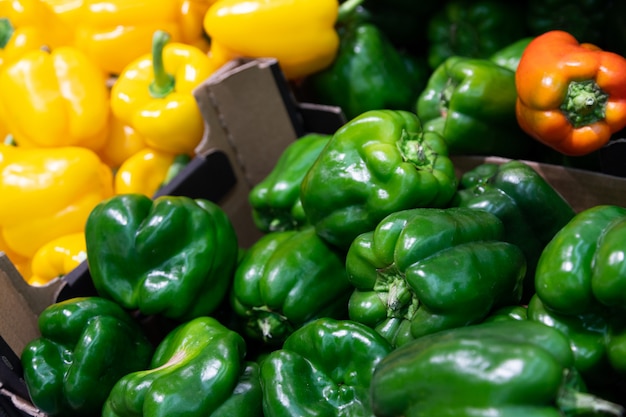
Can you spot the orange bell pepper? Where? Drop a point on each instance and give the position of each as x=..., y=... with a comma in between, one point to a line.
x=571, y=95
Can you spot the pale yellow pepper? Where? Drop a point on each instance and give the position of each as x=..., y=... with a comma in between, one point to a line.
x=300, y=34
x=154, y=95
x=116, y=32
x=55, y=98
x=48, y=193
x=147, y=171
x=57, y=258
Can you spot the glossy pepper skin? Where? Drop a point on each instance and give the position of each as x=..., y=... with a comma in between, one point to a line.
x=285, y=280
x=48, y=193
x=153, y=95
x=146, y=171
x=531, y=210
x=510, y=55
x=55, y=98
x=27, y=25
x=275, y=201
x=173, y=255
x=505, y=368
x=473, y=29
x=57, y=258
x=114, y=33
x=86, y=345
x=580, y=283
x=369, y=73
x=323, y=369
x=380, y=162
x=196, y=370
x=570, y=95
x=300, y=34
x=471, y=103
x=425, y=270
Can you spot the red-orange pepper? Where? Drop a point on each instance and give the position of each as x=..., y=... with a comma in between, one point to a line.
x=571, y=95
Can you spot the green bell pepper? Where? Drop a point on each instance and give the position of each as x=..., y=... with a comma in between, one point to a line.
x=471, y=103
x=323, y=369
x=86, y=345
x=473, y=29
x=377, y=163
x=530, y=208
x=581, y=285
x=173, y=256
x=514, y=368
x=285, y=280
x=584, y=19
x=510, y=55
x=275, y=201
x=425, y=270
x=198, y=369
x=369, y=73
x=404, y=22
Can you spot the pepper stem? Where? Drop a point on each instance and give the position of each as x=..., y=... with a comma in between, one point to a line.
x=6, y=31
x=163, y=83
x=572, y=402
x=347, y=9
x=585, y=103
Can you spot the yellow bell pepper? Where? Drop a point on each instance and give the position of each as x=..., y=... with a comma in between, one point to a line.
x=26, y=25
x=48, y=193
x=154, y=95
x=300, y=34
x=55, y=98
x=57, y=258
x=123, y=142
x=147, y=171
x=116, y=32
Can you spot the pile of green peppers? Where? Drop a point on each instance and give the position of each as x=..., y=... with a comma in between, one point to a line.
x=385, y=283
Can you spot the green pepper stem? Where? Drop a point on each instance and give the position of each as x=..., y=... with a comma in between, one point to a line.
x=180, y=162
x=163, y=83
x=347, y=10
x=585, y=103
x=573, y=402
x=6, y=31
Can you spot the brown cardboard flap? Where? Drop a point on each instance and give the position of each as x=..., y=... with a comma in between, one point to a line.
x=582, y=189
x=21, y=304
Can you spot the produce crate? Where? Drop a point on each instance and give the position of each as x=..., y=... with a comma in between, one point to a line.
x=250, y=118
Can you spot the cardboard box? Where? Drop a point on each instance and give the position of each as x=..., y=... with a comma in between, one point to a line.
x=251, y=117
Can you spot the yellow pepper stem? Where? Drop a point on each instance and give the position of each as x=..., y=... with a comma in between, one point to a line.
x=6, y=31
x=163, y=83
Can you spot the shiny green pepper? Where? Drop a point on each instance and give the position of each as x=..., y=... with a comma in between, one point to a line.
x=323, y=369
x=581, y=290
x=425, y=270
x=473, y=29
x=513, y=368
x=530, y=208
x=377, y=163
x=198, y=369
x=86, y=345
x=275, y=201
x=369, y=73
x=471, y=103
x=173, y=255
x=286, y=279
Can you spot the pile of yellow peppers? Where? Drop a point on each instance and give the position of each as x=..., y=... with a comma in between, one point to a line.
x=96, y=99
